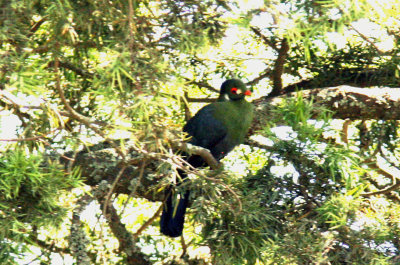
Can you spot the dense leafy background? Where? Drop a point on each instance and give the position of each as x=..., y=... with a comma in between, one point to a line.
x=307, y=189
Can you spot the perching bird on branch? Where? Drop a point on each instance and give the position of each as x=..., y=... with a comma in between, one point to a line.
x=219, y=127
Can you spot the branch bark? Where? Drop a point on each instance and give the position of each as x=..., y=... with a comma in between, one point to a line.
x=345, y=102
x=264, y=38
x=395, y=182
x=351, y=77
x=99, y=163
x=201, y=84
x=278, y=69
x=127, y=242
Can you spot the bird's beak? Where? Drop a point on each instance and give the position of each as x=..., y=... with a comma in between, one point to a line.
x=247, y=93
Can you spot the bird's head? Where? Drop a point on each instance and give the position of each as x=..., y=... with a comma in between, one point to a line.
x=233, y=89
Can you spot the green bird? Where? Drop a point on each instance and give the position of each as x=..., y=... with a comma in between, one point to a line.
x=219, y=127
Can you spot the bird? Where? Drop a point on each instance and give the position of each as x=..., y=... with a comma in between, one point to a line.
x=219, y=127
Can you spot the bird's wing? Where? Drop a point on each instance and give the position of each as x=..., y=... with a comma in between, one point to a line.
x=205, y=129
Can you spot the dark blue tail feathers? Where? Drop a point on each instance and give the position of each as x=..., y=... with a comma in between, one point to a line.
x=173, y=216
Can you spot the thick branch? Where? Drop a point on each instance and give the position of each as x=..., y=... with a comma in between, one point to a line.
x=78, y=239
x=350, y=77
x=278, y=69
x=99, y=163
x=197, y=150
x=126, y=240
x=345, y=102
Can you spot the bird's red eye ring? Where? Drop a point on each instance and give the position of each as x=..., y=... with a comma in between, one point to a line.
x=234, y=90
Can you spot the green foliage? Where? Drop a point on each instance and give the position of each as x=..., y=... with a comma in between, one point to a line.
x=31, y=189
x=309, y=197
x=318, y=206
x=237, y=235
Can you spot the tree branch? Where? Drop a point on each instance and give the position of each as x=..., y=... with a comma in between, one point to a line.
x=78, y=239
x=77, y=116
x=10, y=101
x=278, y=69
x=345, y=102
x=201, y=84
x=46, y=48
x=350, y=77
x=36, y=26
x=395, y=181
x=264, y=38
x=387, y=190
x=48, y=246
x=73, y=68
x=127, y=242
x=201, y=100
x=197, y=150
x=267, y=73
x=148, y=222
x=380, y=52
x=98, y=163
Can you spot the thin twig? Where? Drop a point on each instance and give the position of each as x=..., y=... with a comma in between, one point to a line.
x=189, y=168
x=201, y=84
x=110, y=192
x=36, y=26
x=267, y=73
x=17, y=107
x=395, y=186
x=201, y=100
x=380, y=52
x=34, y=138
x=184, y=246
x=188, y=115
x=139, y=179
x=148, y=222
x=73, y=68
x=77, y=116
x=395, y=181
x=264, y=38
x=386, y=158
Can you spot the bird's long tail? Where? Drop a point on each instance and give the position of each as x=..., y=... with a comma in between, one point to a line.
x=173, y=215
